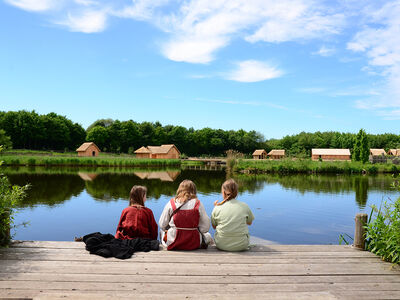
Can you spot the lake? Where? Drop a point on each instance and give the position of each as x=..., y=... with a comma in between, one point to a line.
x=294, y=209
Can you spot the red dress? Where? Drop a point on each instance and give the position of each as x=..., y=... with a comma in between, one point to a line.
x=187, y=232
x=137, y=222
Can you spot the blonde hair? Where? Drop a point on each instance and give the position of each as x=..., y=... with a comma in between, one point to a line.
x=230, y=188
x=186, y=191
x=137, y=194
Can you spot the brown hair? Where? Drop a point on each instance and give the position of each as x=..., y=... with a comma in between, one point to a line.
x=186, y=191
x=137, y=194
x=230, y=187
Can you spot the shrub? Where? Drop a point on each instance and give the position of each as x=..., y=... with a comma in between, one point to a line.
x=383, y=234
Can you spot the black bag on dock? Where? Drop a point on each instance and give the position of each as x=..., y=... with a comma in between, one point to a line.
x=107, y=246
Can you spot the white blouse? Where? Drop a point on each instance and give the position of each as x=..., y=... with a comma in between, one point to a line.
x=165, y=220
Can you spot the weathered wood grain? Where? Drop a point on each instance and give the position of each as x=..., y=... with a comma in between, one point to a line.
x=65, y=270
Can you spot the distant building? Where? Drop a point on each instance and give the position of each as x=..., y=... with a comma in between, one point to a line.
x=143, y=152
x=88, y=149
x=377, y=152
x=394, y=152
x=276, y=154
x=330, y=154
x=260, y=154
x=163, y=151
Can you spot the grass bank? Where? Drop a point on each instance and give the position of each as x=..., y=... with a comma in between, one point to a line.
x=100, y=161
x=288, y=166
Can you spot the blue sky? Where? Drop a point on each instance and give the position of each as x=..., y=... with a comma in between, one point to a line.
x=278, y=67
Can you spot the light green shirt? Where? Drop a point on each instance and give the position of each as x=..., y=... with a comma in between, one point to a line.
x=230, y=221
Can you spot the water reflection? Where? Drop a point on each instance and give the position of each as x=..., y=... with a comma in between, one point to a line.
x=51, y=186
x=332, y=184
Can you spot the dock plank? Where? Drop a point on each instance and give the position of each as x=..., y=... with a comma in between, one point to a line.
x=55, y=270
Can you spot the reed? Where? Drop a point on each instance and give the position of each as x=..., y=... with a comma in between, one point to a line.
x=288, y=166
x=101, y=161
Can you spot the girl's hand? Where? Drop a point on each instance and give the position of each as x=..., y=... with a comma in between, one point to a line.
x=215, y=202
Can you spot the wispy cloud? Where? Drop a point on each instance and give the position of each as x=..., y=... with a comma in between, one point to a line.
x=89, y=21
x=325, y=51
x=34, y=5
x=253, y=71
x=197, y=29
x=381, y=44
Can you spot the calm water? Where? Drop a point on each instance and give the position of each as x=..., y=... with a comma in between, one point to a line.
x=296, y=209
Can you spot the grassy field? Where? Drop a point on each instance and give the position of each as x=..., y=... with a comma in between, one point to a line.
x=100, y=161
x=287, y=166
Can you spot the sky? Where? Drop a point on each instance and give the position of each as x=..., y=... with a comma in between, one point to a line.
x=277, y=67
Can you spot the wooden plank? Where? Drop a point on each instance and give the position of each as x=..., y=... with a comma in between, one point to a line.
x=208, y=288
x=259, y=248
x=199, y=269
x=123, y=278
x=195, y=260
x=182, y=295
x=65, y=251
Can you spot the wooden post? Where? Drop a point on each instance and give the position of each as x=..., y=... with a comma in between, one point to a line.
x=359, y=234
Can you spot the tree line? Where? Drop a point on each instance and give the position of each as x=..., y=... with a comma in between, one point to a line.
x=29, y=130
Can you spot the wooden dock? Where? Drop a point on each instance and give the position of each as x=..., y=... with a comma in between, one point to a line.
x=65, y=270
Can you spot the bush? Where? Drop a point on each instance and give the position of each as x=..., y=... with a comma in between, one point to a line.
x=383, y=234
x=10, y=196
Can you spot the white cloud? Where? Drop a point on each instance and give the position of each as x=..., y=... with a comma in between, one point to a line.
x=213, y=24
x=197, y=29
x=253, y=71
x=88, y=22
x=34, y=5
x=381, y=44
x=325, y=51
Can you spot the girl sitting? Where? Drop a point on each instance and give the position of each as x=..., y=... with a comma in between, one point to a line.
x=230, y=218
x=137, y=221
x=184, y=223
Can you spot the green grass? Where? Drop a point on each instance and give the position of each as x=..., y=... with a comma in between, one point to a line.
x=101, y=161
x=288, y=166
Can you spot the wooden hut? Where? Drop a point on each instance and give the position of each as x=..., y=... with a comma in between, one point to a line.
x=394, y=152
x=260, y=154
x=276, y=154
x=88, y=149
x=330, y=154
x=164, y=151
x=143, y=152
x=377, y=152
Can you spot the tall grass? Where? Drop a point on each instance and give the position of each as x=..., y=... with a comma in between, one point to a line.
x=288, y=166
x=29, y=160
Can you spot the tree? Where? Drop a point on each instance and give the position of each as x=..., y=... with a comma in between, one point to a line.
x=364, y=153
x=5, y=140
x=361, y=147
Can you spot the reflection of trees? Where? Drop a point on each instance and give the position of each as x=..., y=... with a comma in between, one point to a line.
x=361, y=188
x=325, y=184
x=109, y=187
x=55, y=188
x=48, y=189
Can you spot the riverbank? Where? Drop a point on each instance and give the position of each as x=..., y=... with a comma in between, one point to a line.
x=100, y=161
x=288, y=166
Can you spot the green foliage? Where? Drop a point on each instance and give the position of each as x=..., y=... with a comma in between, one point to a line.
x=5, y=140
x=361, y=147
x=288, y=166
x=29, y=130
x=383, y=234
x=104, y=161
x=10, y=197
